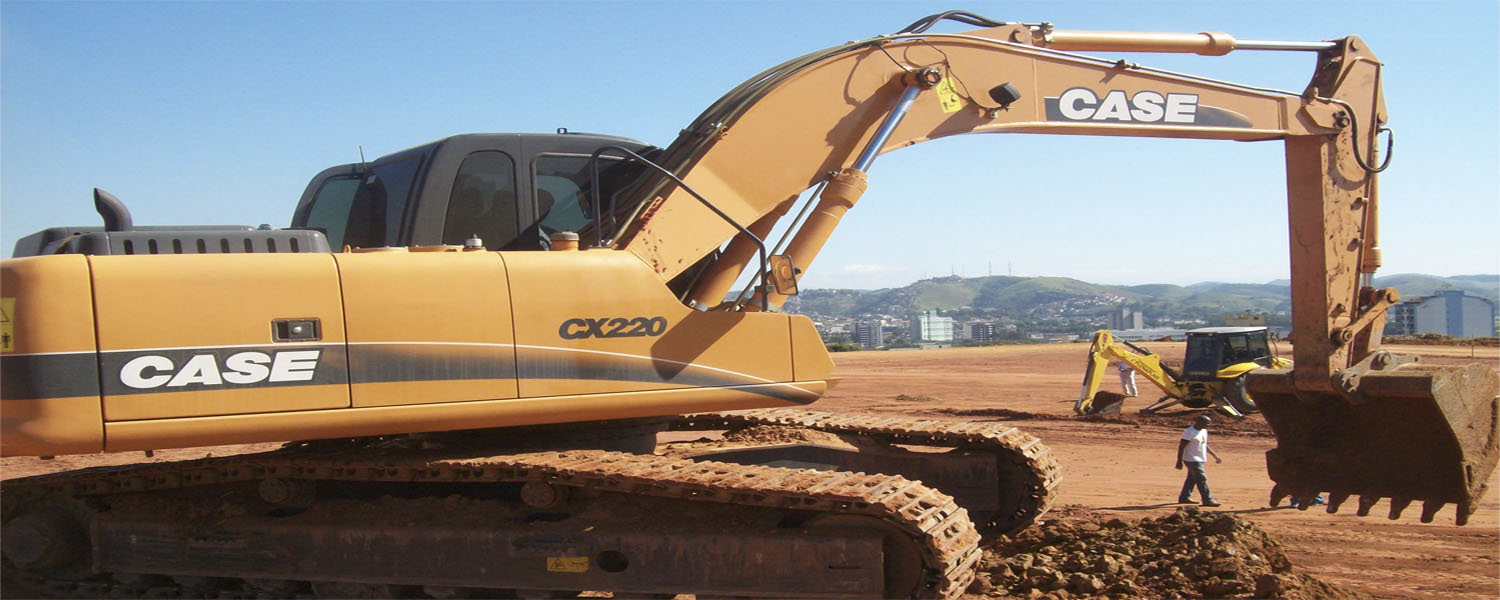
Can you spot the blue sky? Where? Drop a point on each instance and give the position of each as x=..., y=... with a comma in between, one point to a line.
x=213, y=113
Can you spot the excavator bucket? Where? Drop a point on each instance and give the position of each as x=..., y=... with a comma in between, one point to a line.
x=1408, y=433
x=1106, y=403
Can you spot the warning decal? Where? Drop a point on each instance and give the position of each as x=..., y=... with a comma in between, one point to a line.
x=948, y=96
x=7, y=324
x=567, y=564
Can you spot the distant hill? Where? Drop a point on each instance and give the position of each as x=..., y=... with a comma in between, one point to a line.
x=1061, y=297
x=1412, y=285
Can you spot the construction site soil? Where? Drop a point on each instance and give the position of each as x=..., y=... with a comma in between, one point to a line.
x=1117, y=531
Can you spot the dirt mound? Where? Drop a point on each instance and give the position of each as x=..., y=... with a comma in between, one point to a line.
x=1253, y=425
x=774, y=434
x=1437, y=339
x=1188, y=554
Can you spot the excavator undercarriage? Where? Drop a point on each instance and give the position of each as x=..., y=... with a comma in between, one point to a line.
x=448, y=516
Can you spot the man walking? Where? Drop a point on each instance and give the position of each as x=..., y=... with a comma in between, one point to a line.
x=1193, y=451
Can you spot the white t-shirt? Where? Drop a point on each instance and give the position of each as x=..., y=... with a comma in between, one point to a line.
x=1197, y=445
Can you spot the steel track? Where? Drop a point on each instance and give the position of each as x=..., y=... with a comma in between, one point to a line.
x=1032, y=471
x=948, y=541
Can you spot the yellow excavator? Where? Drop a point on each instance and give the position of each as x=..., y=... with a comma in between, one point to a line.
x=470, y=346
x=1213, y=371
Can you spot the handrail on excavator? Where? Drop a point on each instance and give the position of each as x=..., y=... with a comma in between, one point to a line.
x=598, y=224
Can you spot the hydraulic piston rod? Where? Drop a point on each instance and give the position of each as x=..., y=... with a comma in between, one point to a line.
x=1207, y=44
x=846, y=188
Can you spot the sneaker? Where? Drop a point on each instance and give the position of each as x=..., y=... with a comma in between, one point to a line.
x=1212, y=504
x=1184, y=501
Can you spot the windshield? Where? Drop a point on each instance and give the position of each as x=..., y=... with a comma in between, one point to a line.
x=368, y=211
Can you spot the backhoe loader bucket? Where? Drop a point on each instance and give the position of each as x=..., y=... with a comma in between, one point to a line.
x=1408, y=433
x=1105, y=403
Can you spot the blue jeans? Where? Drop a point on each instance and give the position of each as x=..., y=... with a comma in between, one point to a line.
x=1195, y=477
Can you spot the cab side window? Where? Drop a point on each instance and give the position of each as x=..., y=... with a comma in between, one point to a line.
x=564, y=190
x=483, y=201
x=1237, y=350
x=560, y=185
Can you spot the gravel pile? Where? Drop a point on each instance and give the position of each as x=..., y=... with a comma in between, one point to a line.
x=1188, y=554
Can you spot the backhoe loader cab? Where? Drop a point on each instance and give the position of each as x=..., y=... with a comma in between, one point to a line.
x=1213, y=349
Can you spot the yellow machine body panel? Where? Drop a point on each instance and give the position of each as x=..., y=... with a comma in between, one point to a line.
x=428, y=327
x=50, y=402
x=197, y=352
x=600, y=322
x=194, y=335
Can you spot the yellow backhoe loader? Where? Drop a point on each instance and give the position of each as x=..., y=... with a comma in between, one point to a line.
x=1213, y=371
x=455, y=335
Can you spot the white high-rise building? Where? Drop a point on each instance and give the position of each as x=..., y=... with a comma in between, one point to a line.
x=929, y=327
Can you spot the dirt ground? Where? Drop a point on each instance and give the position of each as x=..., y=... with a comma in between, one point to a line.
x=1123, y=467
x=1126, y=469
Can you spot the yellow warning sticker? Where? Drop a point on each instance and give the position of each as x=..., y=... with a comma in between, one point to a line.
x=948, y=96
x=7, y=324
x=567, y=564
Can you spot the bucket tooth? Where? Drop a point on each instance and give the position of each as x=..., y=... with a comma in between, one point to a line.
x=1398, y=505
x=1365, y=504
x=1430, y=509
x=1413, y=431
x=1335, y=500
x=1278, y=493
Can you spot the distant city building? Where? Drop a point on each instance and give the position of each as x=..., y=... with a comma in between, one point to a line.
x=1246, y=320
x=983, y=333
x=1126, y=318
x=1448, y=312
x=869, y=334
x=929, y=327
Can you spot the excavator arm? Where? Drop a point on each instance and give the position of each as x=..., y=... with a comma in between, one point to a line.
x=823, y=118
x=1349, y=417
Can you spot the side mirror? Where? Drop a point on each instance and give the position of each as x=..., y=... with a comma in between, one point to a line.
x=784, y=274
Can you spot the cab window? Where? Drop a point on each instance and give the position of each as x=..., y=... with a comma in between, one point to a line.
x=560, y=185
x=1237, y=350
x=365, y=210
x=563, y=198
x=482, y=202
x=1259, y=347
x=330, y=208
x=1202, y=356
